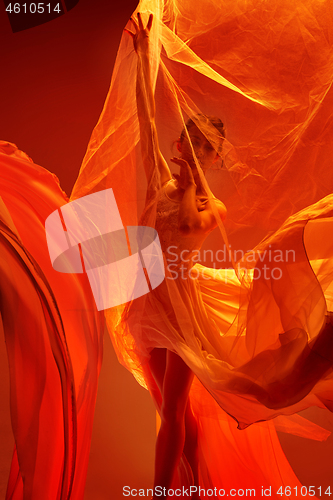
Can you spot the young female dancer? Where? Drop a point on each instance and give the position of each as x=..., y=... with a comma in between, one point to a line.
x=184, y=211
x=185, y=214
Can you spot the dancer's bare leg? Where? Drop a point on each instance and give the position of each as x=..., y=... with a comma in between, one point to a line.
x=157, y=367
x=168, y=451
x=171, y=437
x=191, y=445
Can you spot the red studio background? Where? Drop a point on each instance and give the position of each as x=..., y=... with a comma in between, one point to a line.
x=54, y=80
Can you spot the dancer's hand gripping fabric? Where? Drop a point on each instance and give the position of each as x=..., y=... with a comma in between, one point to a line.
x=185, y=179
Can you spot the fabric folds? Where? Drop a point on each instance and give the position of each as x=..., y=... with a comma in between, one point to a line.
x=53, y=338
x=256, y=333
x=254, y=329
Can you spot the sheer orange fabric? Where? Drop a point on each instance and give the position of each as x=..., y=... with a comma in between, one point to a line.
x=258, y=342
x=53, y=338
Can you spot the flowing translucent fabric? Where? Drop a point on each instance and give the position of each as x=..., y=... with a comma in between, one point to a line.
x=256, y=335
x=53, y=338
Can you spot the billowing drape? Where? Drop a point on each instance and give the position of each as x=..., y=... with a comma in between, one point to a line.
x=258, y=343
x=53, y=337
x=256, y=334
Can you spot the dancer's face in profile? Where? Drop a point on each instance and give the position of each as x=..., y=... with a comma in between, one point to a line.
x=203, y=150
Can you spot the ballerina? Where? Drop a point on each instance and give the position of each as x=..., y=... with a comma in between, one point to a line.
x=185, y=215
x=195, y=220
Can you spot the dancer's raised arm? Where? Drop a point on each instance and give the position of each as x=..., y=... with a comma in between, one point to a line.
x=151, y=153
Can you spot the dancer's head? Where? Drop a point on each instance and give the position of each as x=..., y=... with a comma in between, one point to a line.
x=206, y=135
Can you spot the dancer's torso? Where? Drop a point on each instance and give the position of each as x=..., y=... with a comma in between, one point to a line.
x=180, y=251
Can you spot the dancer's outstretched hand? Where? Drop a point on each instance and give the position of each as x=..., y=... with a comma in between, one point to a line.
x=141, y=34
